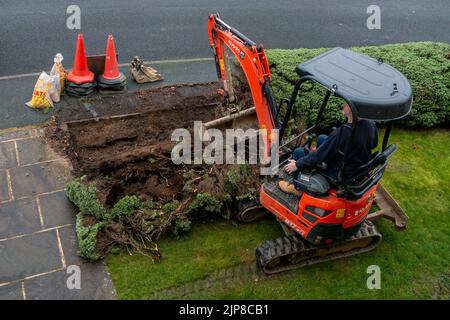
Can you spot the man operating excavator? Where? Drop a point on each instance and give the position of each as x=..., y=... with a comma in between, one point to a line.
x=333, y=218
x=329, y=151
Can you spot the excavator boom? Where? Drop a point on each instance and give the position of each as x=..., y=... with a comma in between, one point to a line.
x=255, y=67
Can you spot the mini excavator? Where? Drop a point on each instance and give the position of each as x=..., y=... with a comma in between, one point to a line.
x=332, y=218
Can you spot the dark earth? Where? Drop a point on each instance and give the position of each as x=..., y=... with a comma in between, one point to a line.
x=129, y=153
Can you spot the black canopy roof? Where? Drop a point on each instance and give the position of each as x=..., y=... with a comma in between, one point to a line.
x=377, y=90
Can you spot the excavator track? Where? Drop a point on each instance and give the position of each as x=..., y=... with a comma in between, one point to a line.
x=292, y=252
x=250, y=210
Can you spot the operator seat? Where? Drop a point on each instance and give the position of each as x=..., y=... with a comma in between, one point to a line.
x=313, y=183
x=318, y=183
x=367, y=175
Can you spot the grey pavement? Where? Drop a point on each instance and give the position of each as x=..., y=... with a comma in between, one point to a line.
x=33, y=31
x=37, y=233
x=14, y=92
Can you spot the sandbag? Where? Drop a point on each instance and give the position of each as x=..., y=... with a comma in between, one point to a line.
x=60, y=76
x=41, y=94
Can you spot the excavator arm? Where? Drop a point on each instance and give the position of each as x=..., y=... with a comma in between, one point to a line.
x=253, y=61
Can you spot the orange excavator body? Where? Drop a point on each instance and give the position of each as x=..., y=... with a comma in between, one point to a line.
x=319, y=219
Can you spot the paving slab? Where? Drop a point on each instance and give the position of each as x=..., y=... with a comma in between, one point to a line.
x=11, y=292
x=7, y=155
x=95, y=280
x=39, y=178
x=4, y=188
x=11, y=134
x=34, y=150
x=94, y=284
x=29, y=255
x=69, y=245
x=19, y=217
x=56, y=209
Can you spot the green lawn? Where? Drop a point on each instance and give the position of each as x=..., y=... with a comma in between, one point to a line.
x=414, y=263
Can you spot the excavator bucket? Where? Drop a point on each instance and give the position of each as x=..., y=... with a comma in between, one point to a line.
x=244, y=119
x=389, y=209
x=235, y=114
x=244, y=73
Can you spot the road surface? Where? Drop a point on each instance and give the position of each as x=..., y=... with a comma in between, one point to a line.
x=33, y=31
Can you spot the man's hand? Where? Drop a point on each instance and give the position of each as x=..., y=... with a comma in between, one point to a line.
x=290, y=167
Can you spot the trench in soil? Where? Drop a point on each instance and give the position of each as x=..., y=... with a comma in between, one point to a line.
x=128, y=153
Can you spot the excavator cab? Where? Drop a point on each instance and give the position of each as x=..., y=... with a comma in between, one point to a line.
x=373, y=90
x=333, y=217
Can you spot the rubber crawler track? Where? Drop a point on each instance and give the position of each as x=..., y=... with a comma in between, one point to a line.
x=284, y=249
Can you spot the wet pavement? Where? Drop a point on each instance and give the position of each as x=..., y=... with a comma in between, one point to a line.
x=38, y=243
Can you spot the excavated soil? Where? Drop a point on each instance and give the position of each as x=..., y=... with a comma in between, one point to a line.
x=122, y=143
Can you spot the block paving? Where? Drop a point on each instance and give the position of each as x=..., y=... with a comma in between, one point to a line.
x=37, y=226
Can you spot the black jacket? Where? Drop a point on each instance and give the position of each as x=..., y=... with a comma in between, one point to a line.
x=360, y=149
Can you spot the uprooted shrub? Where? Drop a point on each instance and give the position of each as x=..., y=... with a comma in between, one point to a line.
x=137, y=225
x=87, y=237
x=425, y=64
x=85, y=198
x=131, y=223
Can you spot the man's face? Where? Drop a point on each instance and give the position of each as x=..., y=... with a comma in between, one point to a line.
x=346, y=111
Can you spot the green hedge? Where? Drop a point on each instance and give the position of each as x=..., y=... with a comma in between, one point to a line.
x=425, y=64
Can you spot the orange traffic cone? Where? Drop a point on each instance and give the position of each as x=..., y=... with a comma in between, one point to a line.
x=111, y=79
x=80, y=73
x=111, y=71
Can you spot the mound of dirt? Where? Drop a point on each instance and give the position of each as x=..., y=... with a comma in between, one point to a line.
x=122, y=145
x=129, y=154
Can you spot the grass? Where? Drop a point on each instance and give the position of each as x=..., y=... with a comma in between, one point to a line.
x=414, y=263
x=209, y=246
